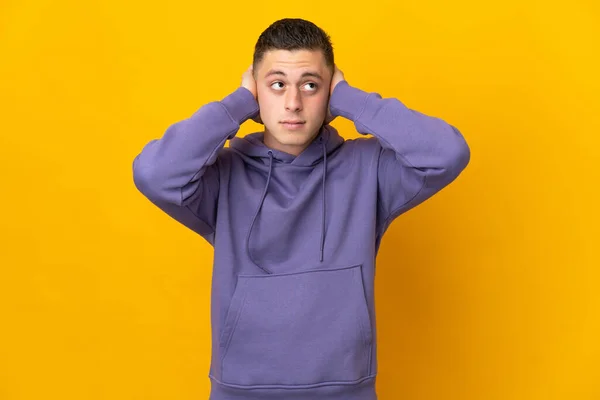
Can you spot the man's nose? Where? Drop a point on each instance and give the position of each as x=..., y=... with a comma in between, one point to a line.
x=293, y=100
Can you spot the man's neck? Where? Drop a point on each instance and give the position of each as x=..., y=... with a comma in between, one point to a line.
x=271, y=143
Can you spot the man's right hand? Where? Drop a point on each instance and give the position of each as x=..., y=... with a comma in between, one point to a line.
x=249, y=83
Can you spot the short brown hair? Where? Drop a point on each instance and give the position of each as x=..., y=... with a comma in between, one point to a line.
x=293, y=34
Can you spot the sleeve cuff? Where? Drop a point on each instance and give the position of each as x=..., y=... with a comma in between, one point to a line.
x=241, y=104
x=347, y=101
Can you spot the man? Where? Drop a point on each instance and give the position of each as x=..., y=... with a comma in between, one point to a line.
x=296, y=214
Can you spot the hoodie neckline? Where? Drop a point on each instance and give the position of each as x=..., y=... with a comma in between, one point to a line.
x=252, y=145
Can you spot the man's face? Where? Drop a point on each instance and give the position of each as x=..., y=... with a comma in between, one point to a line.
x=292, y=86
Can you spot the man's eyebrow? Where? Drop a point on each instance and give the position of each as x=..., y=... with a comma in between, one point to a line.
x=305, y=74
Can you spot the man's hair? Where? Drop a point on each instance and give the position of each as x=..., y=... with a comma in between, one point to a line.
x=293, y=34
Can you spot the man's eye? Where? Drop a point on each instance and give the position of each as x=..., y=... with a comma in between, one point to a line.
x=275, y=83
x=314, y=85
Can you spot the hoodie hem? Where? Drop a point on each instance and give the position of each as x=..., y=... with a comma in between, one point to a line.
x=363, y=389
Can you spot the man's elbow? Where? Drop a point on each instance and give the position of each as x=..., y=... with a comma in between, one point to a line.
x=462, y=155
x=149, y=182
x=457, y=155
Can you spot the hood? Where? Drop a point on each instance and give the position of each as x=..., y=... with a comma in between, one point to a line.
x=255, y=152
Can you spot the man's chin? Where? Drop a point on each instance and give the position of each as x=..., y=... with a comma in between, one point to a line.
x=293, y=137
x=293, y=134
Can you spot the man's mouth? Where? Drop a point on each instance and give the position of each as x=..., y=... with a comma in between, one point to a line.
x=292, y=124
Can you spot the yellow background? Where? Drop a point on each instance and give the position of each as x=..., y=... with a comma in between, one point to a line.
x=490, y=290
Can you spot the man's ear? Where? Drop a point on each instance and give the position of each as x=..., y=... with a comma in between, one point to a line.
x=330, y=117
x=257, y=118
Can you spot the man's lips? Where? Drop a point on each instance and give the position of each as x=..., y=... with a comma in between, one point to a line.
x=293, y=124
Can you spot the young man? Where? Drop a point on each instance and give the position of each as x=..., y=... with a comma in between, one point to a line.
x=296, y=215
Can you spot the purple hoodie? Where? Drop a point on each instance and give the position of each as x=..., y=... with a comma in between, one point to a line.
x=295, y=237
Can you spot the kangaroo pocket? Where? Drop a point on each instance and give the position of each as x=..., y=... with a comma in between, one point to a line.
x=300, y=328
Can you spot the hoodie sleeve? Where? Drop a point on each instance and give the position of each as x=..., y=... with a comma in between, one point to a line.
x=179, y=173
x=418, y=155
